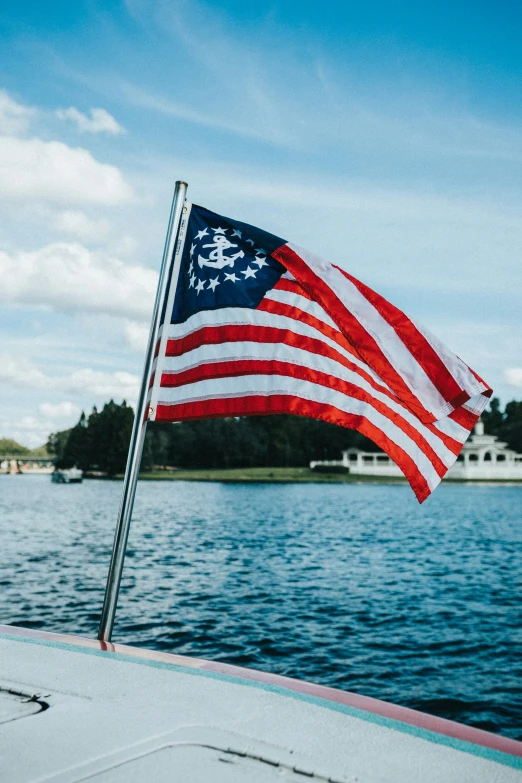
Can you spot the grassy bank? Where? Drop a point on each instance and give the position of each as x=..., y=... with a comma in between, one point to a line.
x=276, y=475
x=287, y=475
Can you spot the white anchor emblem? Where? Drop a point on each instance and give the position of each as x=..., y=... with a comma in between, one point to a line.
x=217, y=259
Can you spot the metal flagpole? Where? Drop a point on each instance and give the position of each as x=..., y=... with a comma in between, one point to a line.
x=140, y=425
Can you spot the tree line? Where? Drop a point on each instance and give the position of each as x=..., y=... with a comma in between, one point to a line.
x=505, y=424
x=100, y=441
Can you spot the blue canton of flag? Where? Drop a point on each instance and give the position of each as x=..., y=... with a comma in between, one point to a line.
x=225, y=263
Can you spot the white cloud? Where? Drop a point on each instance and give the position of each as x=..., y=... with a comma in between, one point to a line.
x=124, y=245
x=77, y=224
x=103, y=384
x=27, y=430
x=21, y=373
x=137, y=335
x=50, y=170
x=68, y=277
x=60, y=410
x=14, y=118
x=513, y=377
x=100, y=121
x=33, y=431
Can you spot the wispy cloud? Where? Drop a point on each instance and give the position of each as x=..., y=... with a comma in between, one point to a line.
x=24, y=374
x=78, y=224
x=31, y=431
x=14, y=117
x=146, y=99
x=513, y=377
x=59, y=410
x=230, y=82
x=137, y=334
x=100, y=121
x=293, y=93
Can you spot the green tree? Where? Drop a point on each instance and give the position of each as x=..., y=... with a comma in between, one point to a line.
x=10, y=447
x=76, y=450
x=156, y=449
x=507, y=424
x=56, y=444
x=108, y=437
x=493, y=418
x=511, y=429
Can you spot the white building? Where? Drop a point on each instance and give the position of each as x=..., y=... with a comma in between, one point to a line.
x=483, y=457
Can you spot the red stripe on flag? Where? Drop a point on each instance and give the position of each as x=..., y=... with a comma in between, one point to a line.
x=363, y=343
x=283, y=284
x=465, y=418
x=488, y=391
x=213, y=335
x=275, y=404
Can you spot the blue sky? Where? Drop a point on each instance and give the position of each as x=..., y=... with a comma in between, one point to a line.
x=387, y=138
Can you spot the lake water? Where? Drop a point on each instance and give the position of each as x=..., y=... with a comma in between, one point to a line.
x=353, y=586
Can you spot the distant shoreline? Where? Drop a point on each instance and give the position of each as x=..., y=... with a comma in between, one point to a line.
x=262, y=475
x=281, y=476
x=290, y=475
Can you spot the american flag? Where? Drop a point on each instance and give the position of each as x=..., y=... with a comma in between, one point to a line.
x=255, y=325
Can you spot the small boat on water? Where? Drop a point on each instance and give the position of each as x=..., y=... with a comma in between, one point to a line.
x=67, y=476
x=36, y=471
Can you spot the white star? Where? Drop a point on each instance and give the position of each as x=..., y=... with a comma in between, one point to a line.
x=260, y=250
x=192, y=281
x=213, y=283
x=191, y=267
x=219, y=230
x=250, y=242
x=236, y=233
x=192, y=248
x=201, y=233
x=249, y=272
x=260, y=261
x=200, y=286
x=232, y=277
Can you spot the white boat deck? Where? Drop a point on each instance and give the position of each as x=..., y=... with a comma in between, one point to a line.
x=73, y=709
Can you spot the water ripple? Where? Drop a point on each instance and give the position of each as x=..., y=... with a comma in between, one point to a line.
x=353, y=586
